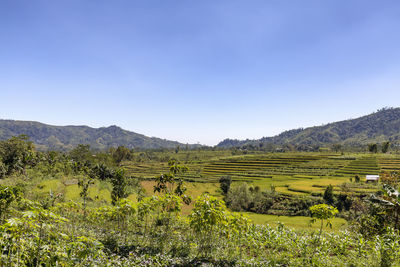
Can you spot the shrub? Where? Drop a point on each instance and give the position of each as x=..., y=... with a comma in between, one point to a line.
x=208, y=217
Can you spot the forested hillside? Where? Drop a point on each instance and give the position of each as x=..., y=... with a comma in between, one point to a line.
x=48, y=137
x=378, y=127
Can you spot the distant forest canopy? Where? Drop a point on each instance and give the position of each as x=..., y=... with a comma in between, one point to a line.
x=377, y=128
x=351, y=135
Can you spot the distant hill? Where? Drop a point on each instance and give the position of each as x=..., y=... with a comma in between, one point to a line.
x=48, y=137
x=378, y=127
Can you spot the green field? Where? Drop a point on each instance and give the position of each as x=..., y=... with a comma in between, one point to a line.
x=297, y=222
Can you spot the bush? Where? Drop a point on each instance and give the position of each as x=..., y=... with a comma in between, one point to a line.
x=239, y=198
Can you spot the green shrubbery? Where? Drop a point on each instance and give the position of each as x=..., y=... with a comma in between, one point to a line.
x=153, y=232
x=242, y=197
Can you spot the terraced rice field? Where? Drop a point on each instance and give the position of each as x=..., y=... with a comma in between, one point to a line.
x=389, y=164
x=361, y=166
x=146, y=170
x=257, y=168
x=289, y=173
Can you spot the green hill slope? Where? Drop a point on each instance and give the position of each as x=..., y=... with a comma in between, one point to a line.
x=66, y=137
x=383, y=125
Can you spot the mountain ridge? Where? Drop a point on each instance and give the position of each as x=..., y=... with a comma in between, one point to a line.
x=380, y=126
x=52, y=137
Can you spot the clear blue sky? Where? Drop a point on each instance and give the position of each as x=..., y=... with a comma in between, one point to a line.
x=198, y=71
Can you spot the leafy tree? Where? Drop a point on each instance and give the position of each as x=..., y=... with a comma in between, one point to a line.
x=17, y=153
x=328, y=195
x=8, y=194
x=337, y=147
x=101, y=171
x=121, y=212
x=343, y=202
x=208, y=216
x=385, y=147
x=84, y=183
x=81, y=153
x=50, y=158
x=172, y=183
x=225, y=184
x=357, y=178
x=323, y=212
x=122, y=153
x=3, y=169
x=373, y=148
x=120, y=186
x=240, y=198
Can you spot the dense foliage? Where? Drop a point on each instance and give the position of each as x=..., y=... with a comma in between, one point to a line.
x=46, y=230
x=247, y=198
x=152, y=233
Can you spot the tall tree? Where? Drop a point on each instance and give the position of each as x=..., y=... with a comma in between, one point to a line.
x=81, y=153
x=385, y=147
x=225, y=184
x=328, y=195
x=373, y=148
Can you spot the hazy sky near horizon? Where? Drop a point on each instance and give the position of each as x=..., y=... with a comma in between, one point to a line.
x=198, y=71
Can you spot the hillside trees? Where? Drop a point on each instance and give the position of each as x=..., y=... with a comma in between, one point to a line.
x=81, y=153
x=120, y=186
x=239, y=198
x=122, y=153
x=385, y=147
x=16, y=154
x=242, y=197
x=225, y=184
x=337, y=147
x=373, y=148
x=328, y=195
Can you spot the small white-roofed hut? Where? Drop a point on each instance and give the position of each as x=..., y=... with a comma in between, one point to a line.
x=372, y=178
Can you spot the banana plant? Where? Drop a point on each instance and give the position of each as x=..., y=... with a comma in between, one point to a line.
x=389, y=201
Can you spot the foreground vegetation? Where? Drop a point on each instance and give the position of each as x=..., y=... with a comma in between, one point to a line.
x=91, y=209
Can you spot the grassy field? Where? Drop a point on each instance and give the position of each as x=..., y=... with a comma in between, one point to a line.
x=297, y=222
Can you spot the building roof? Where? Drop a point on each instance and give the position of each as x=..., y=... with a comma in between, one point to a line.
x=372, y=177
